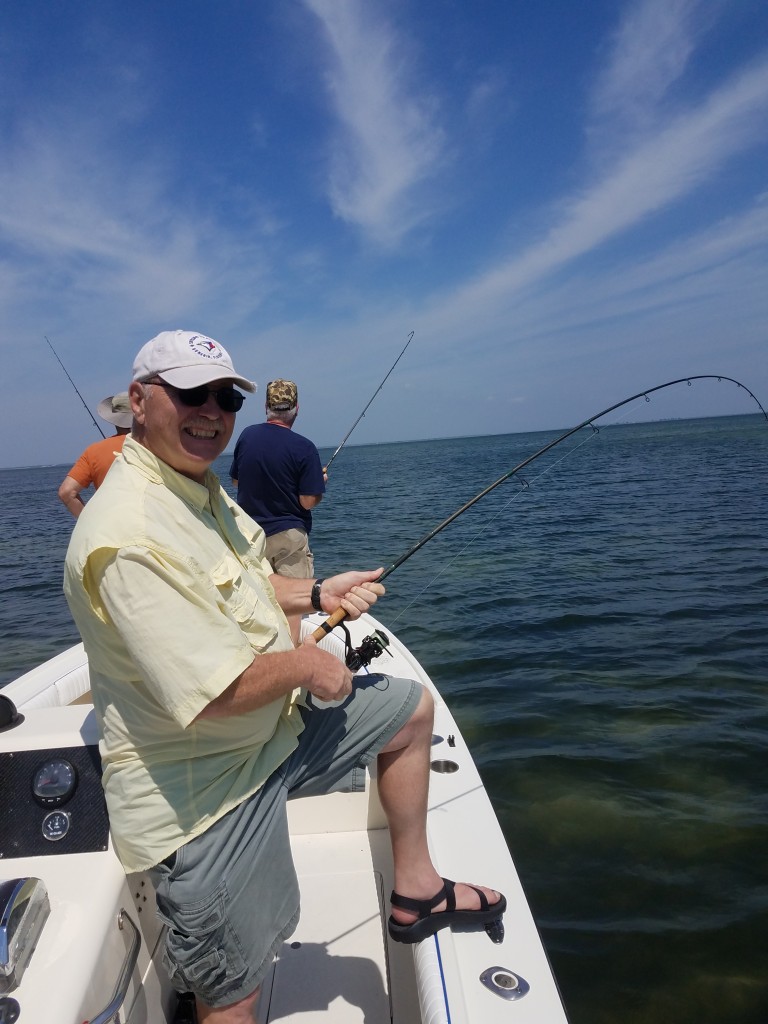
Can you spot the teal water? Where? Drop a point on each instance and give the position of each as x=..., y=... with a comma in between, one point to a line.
x=600, y=635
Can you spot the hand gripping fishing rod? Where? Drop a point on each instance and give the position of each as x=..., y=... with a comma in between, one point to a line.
x=75, y=387
x=378, y=389
x=374, y=645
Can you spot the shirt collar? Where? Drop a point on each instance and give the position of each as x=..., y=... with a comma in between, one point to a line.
x=159, y=472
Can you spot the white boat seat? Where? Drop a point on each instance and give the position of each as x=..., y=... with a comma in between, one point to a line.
x=62, y=680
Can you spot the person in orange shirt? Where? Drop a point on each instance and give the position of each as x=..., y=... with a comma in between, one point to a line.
x=93, y=464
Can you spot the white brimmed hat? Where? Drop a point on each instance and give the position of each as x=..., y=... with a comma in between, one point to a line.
x=116, y=409
x=186, y=360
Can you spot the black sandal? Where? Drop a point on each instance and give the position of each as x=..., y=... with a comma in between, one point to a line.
x=428, y=923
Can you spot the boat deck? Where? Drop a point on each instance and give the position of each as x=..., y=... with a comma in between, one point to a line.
x=339, y=943
x=340, y=964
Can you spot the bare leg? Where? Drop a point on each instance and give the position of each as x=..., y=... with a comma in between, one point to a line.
x=403, y=778
x=242, y=1012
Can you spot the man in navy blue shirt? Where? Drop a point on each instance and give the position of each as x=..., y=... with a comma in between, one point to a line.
x=279, y=479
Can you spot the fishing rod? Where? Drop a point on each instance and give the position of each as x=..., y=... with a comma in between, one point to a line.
x=374, y=645
x=378, y=389
x=75, y=387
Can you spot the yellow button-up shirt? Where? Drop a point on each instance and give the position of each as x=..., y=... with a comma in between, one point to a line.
x=168, y=586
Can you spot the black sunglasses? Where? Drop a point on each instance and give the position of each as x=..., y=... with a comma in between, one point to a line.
x=227, y=399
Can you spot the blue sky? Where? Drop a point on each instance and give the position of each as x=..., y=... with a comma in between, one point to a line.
x=565, y=202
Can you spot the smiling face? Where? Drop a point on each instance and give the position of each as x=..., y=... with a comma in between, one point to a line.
x=187, y=438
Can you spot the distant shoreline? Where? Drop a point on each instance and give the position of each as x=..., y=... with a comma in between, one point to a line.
x=457, y=437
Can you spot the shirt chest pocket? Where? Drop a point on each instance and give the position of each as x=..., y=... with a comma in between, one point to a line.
x=241, y=600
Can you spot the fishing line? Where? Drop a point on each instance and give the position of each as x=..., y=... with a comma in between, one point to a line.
x=378, y=389
x=339, y=615
x=75, y=387
x=525, y=485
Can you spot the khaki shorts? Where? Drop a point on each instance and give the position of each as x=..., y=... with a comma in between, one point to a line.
x=289, y=555
x=230, y=897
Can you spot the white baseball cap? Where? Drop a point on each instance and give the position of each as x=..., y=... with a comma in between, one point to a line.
x=186, y=360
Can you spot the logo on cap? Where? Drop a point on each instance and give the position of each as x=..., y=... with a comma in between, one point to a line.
x=205, y=347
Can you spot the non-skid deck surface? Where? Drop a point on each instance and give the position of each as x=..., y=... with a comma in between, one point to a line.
x=333, y=968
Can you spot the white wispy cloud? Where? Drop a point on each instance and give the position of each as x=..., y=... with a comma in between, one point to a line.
x=73, y=220
x=388, y=142
x=703, y=269
x=666, y=167
x=648, y=53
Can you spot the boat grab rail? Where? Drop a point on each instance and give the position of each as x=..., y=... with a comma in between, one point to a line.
x=121, y=988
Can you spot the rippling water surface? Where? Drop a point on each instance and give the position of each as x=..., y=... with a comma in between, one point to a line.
x=600, y=635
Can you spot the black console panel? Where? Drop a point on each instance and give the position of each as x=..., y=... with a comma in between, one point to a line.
x=51, y=802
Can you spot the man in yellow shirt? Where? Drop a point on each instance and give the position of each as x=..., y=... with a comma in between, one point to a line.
x=206, y=708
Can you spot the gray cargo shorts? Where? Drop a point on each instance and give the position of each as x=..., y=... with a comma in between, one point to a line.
x=230, y=897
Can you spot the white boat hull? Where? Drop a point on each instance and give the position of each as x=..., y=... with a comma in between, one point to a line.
x=340, y=965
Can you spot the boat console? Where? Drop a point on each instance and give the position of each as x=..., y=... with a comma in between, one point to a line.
x=77, y=936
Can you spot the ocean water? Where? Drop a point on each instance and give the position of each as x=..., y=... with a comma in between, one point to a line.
x=600, y=631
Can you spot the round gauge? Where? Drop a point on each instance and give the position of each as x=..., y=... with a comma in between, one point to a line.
x=56, y=825
x=54, y=783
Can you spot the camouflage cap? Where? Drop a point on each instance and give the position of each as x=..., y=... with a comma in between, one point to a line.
x=282, y=394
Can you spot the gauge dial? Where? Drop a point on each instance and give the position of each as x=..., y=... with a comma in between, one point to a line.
x=54, y=782
x=56, y=825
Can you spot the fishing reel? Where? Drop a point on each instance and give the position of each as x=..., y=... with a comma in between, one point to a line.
x=373, y=646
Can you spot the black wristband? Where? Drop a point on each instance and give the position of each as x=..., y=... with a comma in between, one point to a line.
x=315, y=595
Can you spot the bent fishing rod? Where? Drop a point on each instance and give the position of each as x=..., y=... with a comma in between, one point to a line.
x=378, y=389
x=75, y=387
x=374, y=645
